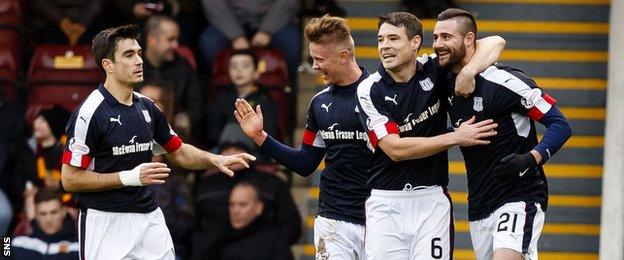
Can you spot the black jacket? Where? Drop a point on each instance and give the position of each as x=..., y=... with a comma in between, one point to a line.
x=211, y=208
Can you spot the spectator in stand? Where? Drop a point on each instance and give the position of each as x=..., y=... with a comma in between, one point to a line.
x=65, y=21
x=243, y=70
x=38, y=160
x=185, y=12
x=252, y=235
x=174, y=196
x=162, y=63
x=241, y=24
x=52, y=234
x=211, y=205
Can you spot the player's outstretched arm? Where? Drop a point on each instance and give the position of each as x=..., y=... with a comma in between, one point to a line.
x=487, y=52
x=302, y=162
x=192, y=158
x=75, y=179
x=469, y=133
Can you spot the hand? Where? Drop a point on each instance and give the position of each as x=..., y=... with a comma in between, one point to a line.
x=464, y=83
x=140, y=10
x=240, y=43
x=66, y=26
x=470, y=133
x=145, y=174
x=261, y=40
x=226, y=163
x=77, y=31
x=250, y=121
x=30, y=192
x=514, y=166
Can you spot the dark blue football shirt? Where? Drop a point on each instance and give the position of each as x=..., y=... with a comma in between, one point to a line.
x=411, y=109
x=106, y=136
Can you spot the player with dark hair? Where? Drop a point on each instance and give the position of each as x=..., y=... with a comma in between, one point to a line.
x=409, y=213
x=106, y=163
x=507, y=190
x=332, y=130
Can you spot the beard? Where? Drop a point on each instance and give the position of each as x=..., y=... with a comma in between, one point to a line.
x=456, y=55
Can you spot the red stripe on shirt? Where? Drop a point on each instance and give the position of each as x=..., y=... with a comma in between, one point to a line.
x=174, y=143
x=536, y=114
x=84, y=159
x=392, y=128
x=549, y=99
x=308, y=137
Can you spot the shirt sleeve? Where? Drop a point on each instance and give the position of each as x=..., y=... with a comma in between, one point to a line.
x=374, y=115
x=311, y=136
x=163, y=134
x=524, y=96
x=82, y=133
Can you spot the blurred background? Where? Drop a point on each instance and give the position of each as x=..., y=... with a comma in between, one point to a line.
x=47, y=69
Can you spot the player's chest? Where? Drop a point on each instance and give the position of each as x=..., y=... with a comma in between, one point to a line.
x=413, y=106
x=127, y=131
x=481, y=105
x=337, y=118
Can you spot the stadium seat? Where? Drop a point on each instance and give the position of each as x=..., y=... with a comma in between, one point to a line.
x=10, y=13
x=64, y=64
x=68, y=96
x=187, y=53
x=274, y=73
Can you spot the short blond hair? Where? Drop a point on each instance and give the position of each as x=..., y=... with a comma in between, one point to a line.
x=327, y=29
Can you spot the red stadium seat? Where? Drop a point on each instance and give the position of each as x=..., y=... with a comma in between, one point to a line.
x=59, y=64
x=271, y=63
x=68, y=96
x=187, y=53
x=10, y=13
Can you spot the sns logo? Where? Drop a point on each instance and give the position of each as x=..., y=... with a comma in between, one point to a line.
x=393, y=99
x=6, y=246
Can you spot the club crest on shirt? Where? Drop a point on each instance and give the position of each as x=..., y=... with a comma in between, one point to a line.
x=146, y=115
x=478, y=104
x=426, y=84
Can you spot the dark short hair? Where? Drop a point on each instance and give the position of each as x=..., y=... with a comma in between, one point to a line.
x=105, y=43
x=467, y=20
x=248, y=52
x=47, y=194
x=410, y=22
x=253, y=186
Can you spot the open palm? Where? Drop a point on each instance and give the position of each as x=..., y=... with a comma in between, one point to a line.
x=250, y=121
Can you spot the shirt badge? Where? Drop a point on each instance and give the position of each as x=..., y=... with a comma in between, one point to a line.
x=478, y=104
x=147, y=116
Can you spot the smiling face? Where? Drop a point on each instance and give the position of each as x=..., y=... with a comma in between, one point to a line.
x=395, y=48
x=327, y=61
x=448, y=43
